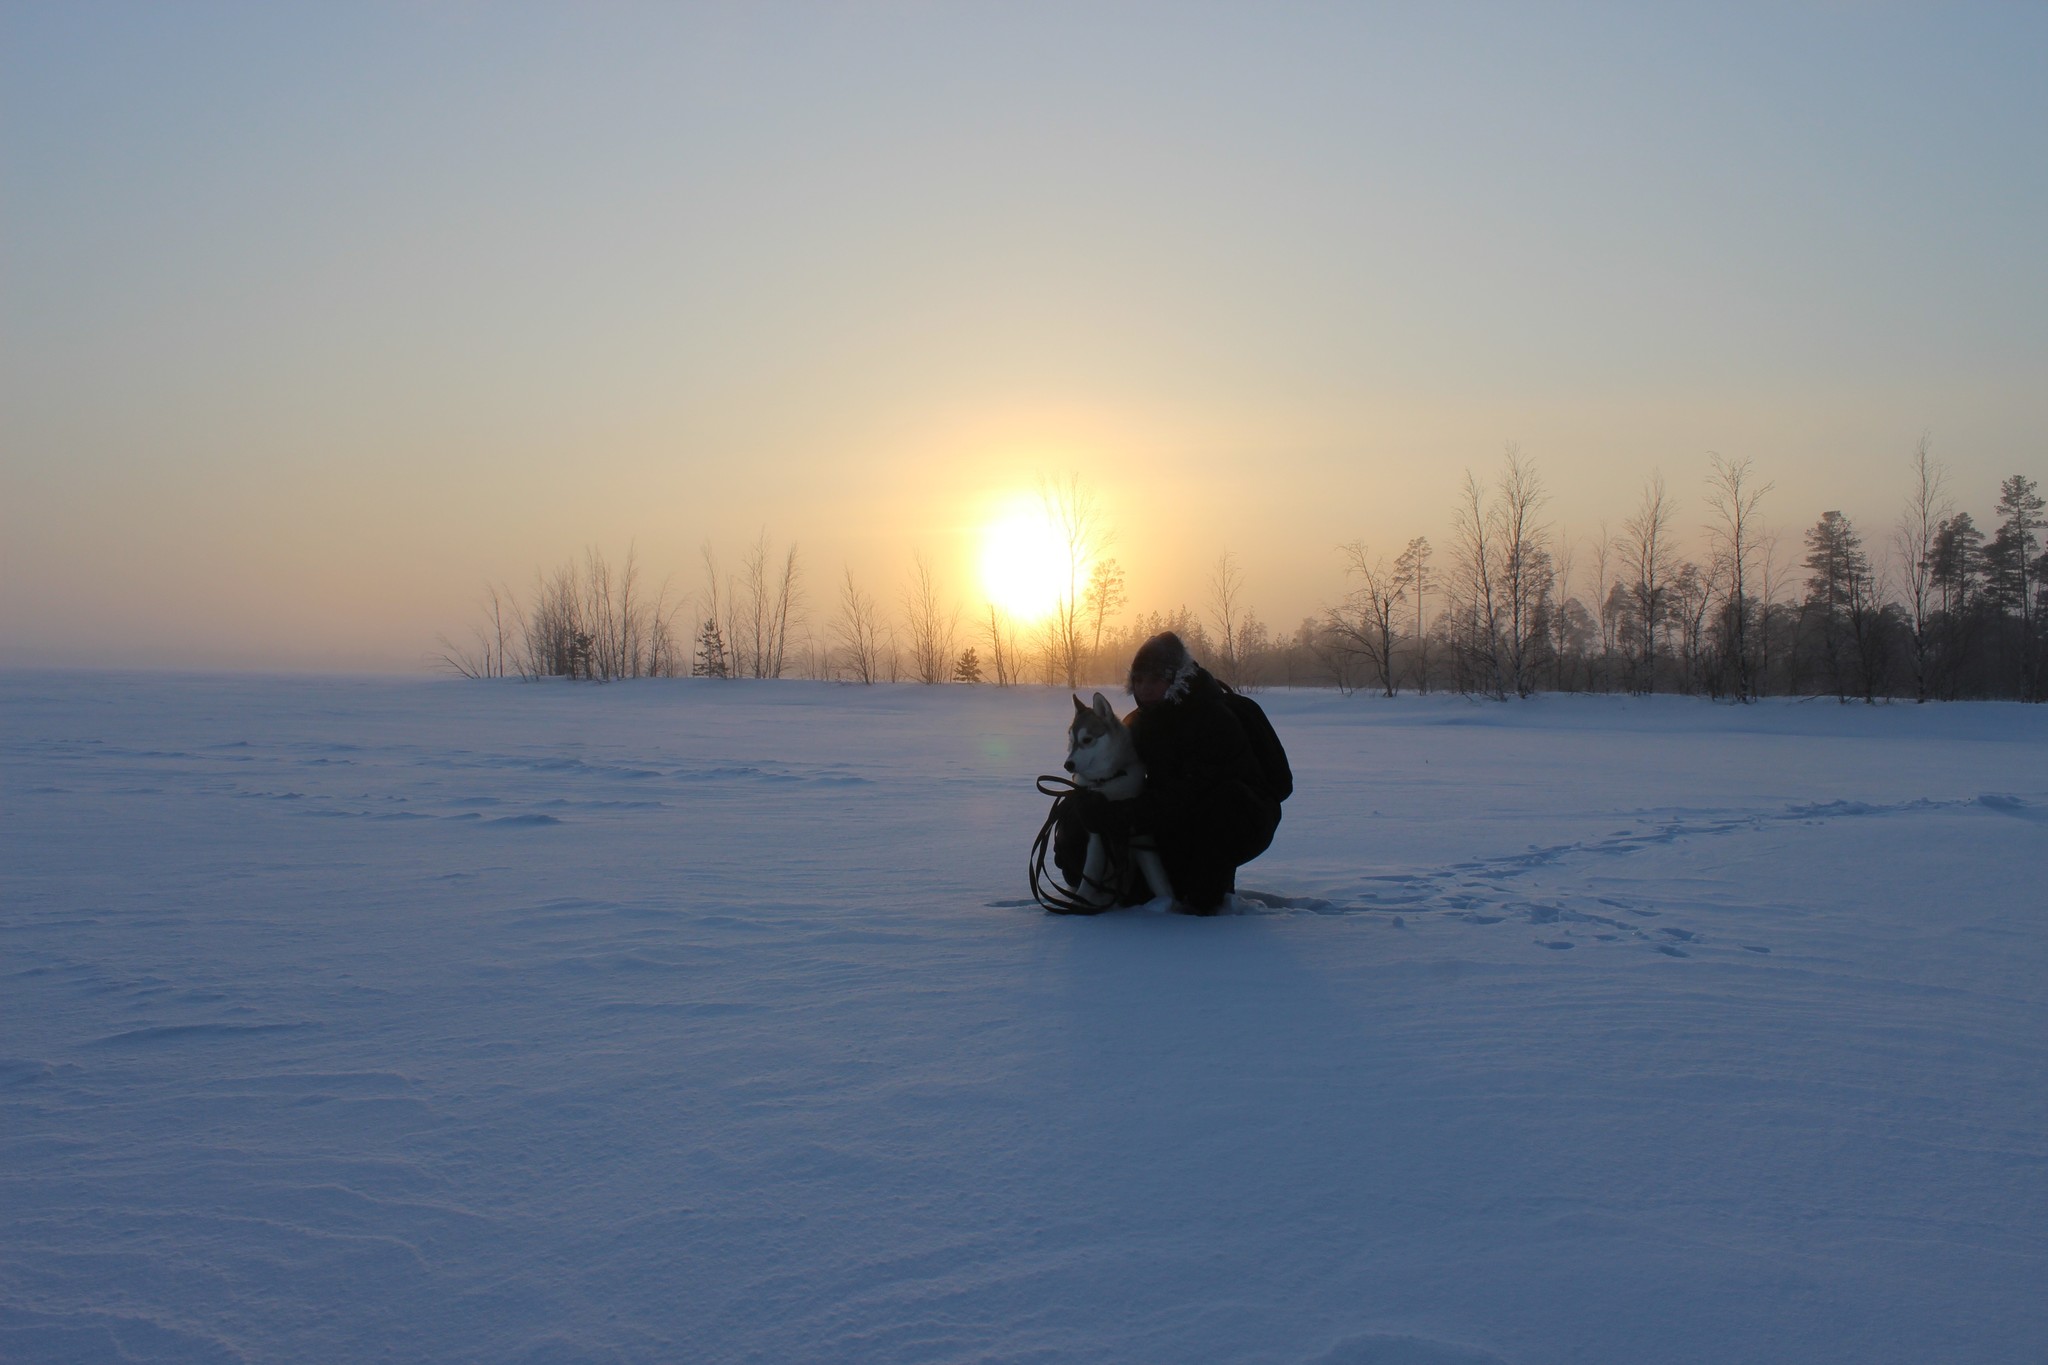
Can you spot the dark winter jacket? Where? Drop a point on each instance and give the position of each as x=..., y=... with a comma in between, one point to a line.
x=1211, y=804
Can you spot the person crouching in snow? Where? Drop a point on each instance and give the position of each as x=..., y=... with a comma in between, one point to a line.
x=1215, y=775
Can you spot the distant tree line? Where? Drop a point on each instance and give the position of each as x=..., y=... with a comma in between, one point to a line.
x=1936, y=609
x=588, y=619
x=591, y=619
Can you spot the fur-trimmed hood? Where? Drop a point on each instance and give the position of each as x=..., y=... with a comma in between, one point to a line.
x=1165, y=653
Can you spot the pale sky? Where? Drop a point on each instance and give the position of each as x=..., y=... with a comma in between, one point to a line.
x=316, y=318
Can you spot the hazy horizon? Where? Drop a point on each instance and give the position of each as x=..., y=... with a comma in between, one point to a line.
x=318, y=320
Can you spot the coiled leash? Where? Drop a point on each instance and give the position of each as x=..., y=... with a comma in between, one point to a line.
x=1045, y=888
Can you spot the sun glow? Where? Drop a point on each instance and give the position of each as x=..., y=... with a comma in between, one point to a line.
x=1024, y=563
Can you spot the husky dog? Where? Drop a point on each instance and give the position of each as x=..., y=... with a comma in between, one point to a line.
x=1102, y=757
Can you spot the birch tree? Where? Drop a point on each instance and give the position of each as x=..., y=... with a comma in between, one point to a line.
x=1079, y=532
x=1004, y=648
x=1412, y=575
x=931, y=626
x=1913, y=539
x=859, y=630
x=1502, y=577
x=1363, y=625
x=1734, y=496
x=1227, y=614
x=1647, y=559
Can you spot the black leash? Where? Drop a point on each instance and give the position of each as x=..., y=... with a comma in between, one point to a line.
x=1045, y=888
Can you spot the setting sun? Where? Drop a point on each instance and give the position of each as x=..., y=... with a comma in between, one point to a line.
x=1024, y=568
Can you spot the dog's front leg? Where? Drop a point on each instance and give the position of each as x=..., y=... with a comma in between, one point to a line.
x=1096, y=888
x=1153, y=869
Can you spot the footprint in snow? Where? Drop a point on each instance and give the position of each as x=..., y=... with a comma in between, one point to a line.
x=2013, y=806
x=1274, y=901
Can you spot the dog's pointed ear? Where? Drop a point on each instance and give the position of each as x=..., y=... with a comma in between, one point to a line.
x=1079, y=707
x=1103, y=707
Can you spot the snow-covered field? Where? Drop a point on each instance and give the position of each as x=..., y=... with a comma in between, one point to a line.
x=381, y=1020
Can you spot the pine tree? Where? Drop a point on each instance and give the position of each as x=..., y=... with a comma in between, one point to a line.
x=2009, y=559
x=711, y=658
x=1956, y=568
x=968, y=668
x=1957, y=562
x=2013, y=579
x=1841, y=601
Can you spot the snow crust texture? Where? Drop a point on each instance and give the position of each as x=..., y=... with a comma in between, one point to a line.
x=358, y=1019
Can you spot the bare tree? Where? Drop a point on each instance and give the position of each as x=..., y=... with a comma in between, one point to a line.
x=753, y=635
x=1645, y=547
x=1332, y=663
x=762, y=607
x=1227, y=614
x=1603, y=553
x=1688, y=602
x=1734, y=496
x=1362, y=626
x=1927, y=507
x=860, y=633
x=1104, y=597
x=1254, y=649
x=594, y=620
x=1559, y=619
x=664, y=657
x=1772, y=578
x=1501, y=578
x=1476, y=596
x=1005, y=651
x=608, y=616
x=1412, y=577
x=550, y=630
x=1527, y=568
x=1076, y=521
x=626, y=629
x=1868, y=622
x=931, y=626
x=486, y=654
x=786, y=611
x=594, y=655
